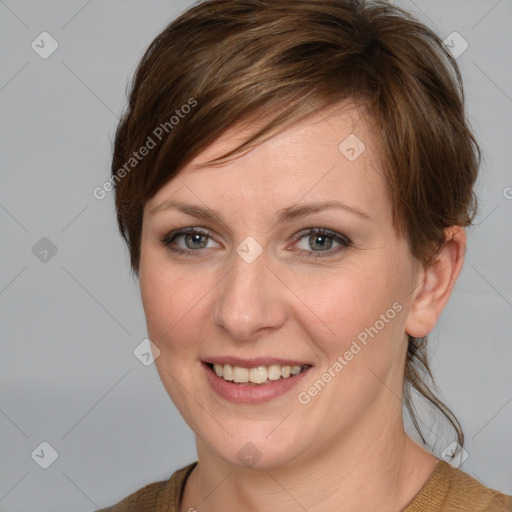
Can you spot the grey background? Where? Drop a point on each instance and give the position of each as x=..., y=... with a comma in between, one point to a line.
x=69, y=325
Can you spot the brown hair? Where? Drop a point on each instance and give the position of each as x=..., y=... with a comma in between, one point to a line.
x=232, y=61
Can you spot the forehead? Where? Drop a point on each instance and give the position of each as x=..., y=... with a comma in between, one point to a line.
x=329, y=127
x=330, y=155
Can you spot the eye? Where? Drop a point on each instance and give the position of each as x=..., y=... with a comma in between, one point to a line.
x=322, y=240
x=194, y=240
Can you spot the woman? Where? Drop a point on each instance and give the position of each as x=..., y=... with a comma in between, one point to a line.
x=293, y=180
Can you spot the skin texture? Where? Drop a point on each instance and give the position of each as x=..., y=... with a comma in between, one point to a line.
x=346, y=449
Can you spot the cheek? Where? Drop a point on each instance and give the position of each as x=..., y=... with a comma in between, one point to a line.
x=168, y=299
x=177, y=302
x=171, y=307
x=163, y=291
x=365, y=310
x=155, y=300
x=366, y=313
x=344, y=304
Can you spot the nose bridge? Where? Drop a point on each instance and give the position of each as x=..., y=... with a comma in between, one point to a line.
x=249, y=298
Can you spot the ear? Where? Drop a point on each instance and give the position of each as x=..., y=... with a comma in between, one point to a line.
x=435, y=284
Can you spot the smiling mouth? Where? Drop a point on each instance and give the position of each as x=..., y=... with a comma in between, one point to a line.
x=256, y=375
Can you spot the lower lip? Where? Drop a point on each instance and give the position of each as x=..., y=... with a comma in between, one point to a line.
x=251, y=394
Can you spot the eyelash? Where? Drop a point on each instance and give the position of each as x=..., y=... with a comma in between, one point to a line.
x=345, y=242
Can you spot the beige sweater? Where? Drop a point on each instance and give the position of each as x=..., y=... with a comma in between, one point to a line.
x=446, y=490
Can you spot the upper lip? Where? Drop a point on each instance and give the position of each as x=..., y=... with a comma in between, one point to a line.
x=254, y=362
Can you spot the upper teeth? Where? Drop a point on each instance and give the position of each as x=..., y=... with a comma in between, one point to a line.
x=255, y=375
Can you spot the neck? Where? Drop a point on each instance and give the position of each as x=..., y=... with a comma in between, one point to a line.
x=372, y=467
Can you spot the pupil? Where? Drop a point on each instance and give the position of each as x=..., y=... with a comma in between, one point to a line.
x=196, y=237
x=317, y=237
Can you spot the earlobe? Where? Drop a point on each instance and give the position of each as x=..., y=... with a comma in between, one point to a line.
x=435, y=284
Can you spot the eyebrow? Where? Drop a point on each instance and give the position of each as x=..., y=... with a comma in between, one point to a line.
x=285, y=215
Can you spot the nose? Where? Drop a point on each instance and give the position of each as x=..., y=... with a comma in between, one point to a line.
x=250, y=299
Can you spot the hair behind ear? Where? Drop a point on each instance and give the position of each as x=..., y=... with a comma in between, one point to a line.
x=416, y=367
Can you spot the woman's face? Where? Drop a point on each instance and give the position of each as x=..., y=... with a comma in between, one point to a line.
x=258, y=287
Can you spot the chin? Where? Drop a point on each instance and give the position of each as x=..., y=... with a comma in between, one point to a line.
x=257, y=451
